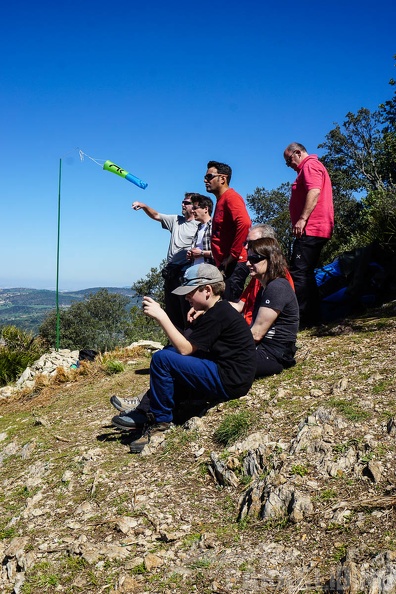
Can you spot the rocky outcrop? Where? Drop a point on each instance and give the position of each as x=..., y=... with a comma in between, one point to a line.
x=369, y=575
x=280, y=487
x=47, y=365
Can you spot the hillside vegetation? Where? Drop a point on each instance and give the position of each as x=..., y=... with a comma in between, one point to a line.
x=27, y=308
x=291, y=488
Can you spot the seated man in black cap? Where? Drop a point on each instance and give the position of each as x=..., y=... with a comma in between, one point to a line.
x=217, y=360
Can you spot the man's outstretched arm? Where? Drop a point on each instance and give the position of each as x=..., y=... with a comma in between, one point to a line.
x=150, y=212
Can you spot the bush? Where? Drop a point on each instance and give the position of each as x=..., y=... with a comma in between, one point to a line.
x=379, y=218
x=233, y=427
x=97, y=323
x=111, y=366
x=19, y=350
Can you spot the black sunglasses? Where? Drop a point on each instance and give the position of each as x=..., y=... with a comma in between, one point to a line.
x=186, y=202
x=256, y=258
x=210, y=176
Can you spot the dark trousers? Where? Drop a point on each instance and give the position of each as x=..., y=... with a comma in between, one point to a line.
x=266, y=364
x=305, y=258
x=236, y=275
x=176, y=306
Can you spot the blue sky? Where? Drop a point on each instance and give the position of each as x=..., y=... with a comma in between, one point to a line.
x=160, y=89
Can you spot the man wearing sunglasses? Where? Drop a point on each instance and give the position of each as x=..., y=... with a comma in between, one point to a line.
x=230, y=226
x=182, y=229
x=312, y=218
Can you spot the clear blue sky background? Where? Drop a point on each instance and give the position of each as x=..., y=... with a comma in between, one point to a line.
x=160, y=88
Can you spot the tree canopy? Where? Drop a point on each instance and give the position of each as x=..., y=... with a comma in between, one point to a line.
x=98, y=322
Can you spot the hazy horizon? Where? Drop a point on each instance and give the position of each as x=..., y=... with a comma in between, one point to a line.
x=64, y=290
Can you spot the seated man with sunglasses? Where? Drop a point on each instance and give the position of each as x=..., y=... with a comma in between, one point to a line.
x=275, y=315
x=230, y=226
x=182, y=229
x=215, y=362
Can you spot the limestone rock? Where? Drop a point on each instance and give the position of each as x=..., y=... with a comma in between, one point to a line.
x=47, y=365
x=374, y=471
x=221, y=473
x=253, y=441
x=152, y=561
x=375, y=576
x=125, y=524
x=127, y=585
x=150, y=345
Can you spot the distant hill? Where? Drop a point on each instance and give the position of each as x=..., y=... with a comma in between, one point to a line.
x=26, y=308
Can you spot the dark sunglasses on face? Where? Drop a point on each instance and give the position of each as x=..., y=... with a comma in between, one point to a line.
x=255, y=258
x=209, y=176
x=186, y=202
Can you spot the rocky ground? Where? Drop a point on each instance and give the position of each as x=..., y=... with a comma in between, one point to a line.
x=290, y=489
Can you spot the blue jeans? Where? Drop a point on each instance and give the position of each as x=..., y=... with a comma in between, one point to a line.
x=168, y=367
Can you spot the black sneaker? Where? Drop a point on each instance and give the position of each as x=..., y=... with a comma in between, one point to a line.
x=132, y=420
x=137, y=446
x=126, y=405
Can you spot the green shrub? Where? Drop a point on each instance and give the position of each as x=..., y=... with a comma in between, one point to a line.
x=233, y=427
x=112, y=366
x=19, y=350
x=97, y=323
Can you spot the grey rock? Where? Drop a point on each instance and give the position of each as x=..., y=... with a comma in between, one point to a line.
x=194, y=424
x=17, y=546
x=221, y=473
x=253, y=441
x=150, y=345
x=391, y=426
x=27, y=450
x=374, y=471
x=125, y=524
x=47, y=365
x=374, y=576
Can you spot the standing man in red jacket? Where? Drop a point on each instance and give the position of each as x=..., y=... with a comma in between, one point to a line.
x=230, y=226
x=312, y=218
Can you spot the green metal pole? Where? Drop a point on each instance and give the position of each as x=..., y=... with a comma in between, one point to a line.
x=57, y=260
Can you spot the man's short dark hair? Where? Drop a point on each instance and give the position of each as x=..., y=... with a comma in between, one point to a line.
x=203, y=201
x=221, y=168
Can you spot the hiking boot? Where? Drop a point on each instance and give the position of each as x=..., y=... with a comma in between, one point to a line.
x=131, y=420
x=137, y=446
x=125, y=405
